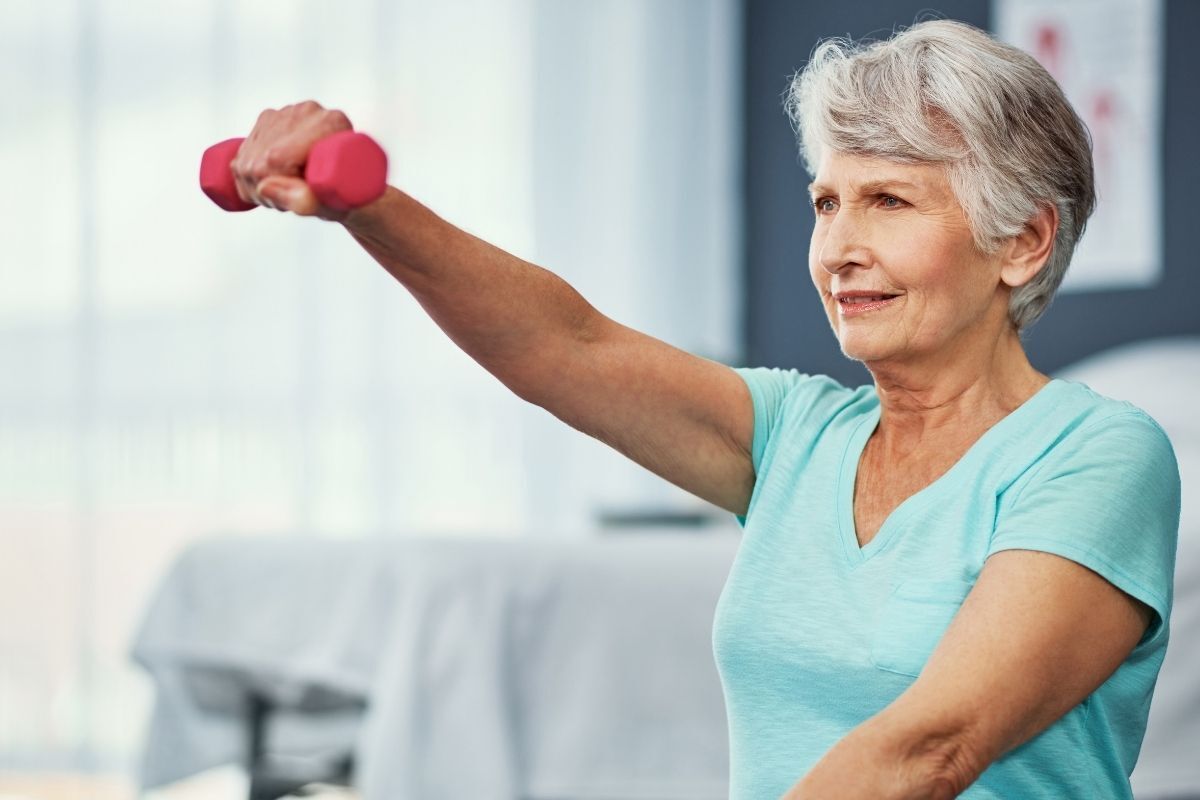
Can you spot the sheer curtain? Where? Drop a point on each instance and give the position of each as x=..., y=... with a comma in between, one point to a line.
x=171, y=371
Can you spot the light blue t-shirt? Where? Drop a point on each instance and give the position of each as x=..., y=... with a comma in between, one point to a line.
x=813, y=635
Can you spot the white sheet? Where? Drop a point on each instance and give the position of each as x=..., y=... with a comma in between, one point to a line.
x=1162, y=377
x=492, y=669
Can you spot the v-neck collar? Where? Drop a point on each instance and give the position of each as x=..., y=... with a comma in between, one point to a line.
x=895, y=521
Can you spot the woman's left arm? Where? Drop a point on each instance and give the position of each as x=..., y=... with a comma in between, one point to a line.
x=1037, y=634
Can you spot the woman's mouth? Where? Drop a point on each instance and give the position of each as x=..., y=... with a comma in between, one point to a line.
x=852, y=305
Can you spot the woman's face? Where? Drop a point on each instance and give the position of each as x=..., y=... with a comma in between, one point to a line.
x=897, y=230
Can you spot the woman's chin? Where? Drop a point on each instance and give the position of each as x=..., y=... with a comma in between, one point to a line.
x=861, y=348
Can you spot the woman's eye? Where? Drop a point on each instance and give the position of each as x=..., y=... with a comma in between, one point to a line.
x=824, y=204
x=890, y=202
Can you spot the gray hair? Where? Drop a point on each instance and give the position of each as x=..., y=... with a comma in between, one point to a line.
x=944, y=92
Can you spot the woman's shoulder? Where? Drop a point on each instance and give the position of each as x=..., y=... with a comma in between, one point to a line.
x=1075, y=435
x=798, y=407
x=1082, y=410
x=803, y=392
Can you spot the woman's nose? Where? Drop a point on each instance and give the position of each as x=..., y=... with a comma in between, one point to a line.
x=844, y=244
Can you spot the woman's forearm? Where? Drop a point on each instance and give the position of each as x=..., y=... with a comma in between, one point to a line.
x=501, y=310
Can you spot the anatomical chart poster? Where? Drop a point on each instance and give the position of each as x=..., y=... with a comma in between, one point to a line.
x=1108, y=57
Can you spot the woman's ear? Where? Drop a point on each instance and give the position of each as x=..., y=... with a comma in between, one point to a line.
x=1028, y=251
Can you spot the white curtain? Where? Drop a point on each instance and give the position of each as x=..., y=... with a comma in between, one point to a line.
x=169, y=371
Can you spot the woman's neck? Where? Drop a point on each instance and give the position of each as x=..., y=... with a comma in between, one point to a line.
x=962, y=396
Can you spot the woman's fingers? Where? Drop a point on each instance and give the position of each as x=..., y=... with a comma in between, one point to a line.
x=277, y=149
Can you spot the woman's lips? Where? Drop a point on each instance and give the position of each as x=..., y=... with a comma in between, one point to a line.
x=854, y=306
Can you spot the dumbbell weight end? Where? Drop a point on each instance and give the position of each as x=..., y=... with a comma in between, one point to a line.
x=216, y=178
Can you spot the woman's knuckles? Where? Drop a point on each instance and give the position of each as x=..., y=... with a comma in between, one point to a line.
x=278, y=146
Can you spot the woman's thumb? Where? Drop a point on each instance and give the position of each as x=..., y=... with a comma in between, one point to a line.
x=286, y=193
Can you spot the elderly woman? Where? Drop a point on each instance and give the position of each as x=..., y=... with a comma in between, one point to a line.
x=955, y=581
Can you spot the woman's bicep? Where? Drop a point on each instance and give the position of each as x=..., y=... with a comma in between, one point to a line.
x=685, y=418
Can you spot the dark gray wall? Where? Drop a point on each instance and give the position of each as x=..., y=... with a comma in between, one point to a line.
x=785, y=325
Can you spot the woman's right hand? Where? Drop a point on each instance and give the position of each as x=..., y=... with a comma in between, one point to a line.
x=269, y=163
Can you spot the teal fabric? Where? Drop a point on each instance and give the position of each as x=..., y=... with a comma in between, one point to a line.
x=813, y=635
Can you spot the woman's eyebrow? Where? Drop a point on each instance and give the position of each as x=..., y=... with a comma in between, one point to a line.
x=882, y=185
x=868, y=188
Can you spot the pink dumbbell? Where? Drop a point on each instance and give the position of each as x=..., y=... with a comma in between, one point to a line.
x=346, y=170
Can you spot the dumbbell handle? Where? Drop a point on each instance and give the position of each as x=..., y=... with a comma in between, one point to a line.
x=345, y=170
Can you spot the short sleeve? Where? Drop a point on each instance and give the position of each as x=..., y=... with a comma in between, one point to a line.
x=1106, y=496
x=769, y=388
x=807, y=400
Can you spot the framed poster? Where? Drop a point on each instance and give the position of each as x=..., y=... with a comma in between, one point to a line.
x=1108, y=57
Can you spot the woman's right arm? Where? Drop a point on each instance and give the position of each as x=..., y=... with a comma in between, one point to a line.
x=683, y=417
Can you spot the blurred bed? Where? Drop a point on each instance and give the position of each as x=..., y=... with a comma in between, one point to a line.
x=447, y=668
x=506, y=669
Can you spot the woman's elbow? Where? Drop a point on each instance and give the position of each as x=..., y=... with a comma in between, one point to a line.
x=948, y=766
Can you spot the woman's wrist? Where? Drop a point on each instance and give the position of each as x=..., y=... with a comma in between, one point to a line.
x=371, y=219
x=396, y=231
x=406, y=238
